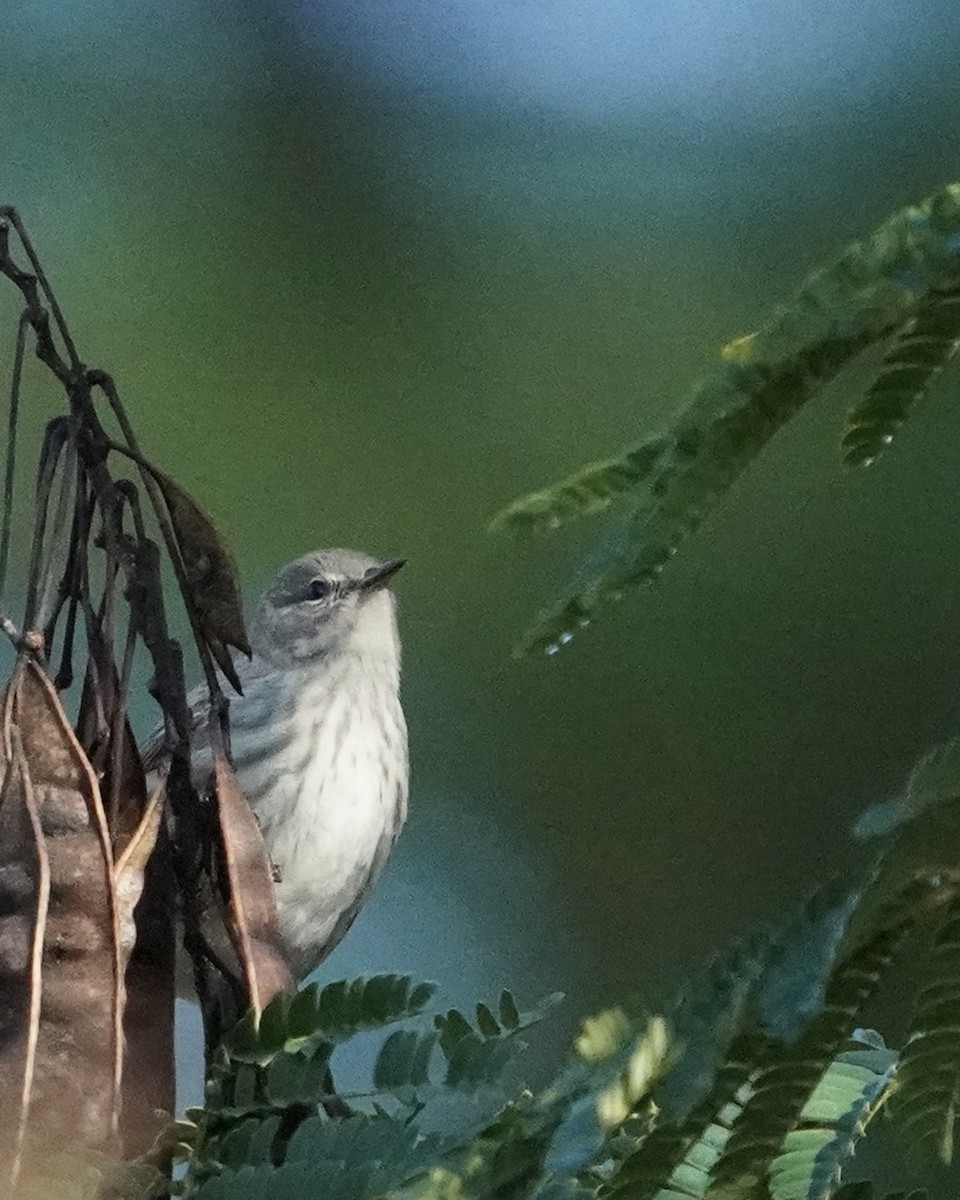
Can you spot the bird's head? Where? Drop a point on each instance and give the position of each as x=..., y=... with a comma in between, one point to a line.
x=326, y=602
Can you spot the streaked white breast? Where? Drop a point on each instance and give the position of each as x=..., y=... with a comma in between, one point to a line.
x=321, y=755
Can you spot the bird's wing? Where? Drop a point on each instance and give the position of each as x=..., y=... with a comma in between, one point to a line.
x=198, y=704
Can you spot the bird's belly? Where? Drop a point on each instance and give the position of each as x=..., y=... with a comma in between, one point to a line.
x=330, y=800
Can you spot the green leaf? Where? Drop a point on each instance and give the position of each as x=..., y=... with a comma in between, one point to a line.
x=719, y=1045
x=589, y=491
x=791, y=988
x=453, y=1029
x=360, y=1158
x=404, y=1060
x=332, y=1014
x=509, y=1014
x=934, y=781
x=864, y=1191
x=674, y=479
x=475, y=1057
x=834, y=1119
x=669, y=1166
x=487, y=1022
x=301, y=1078
x=249, y=1142
x=784, y=1086
x=619, y=1079
x=602, y=1035
x=919, y=354
x=719, y=1050
x=925, y=1106
x=758, y=1041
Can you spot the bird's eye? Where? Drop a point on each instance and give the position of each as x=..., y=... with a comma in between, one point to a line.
x=319, y=589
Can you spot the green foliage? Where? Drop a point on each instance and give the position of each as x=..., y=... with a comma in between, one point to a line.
x=779, y=1026
x=266, y=1129
x=834, y=1118
x=934, y=781
x=865, y=1191
x=900, y=281
x=785, y=1082
x=920, y=353
x=473, y=1055
x=589, y=491
x=326, y=1015
x=928, y=1079
x=358, y=1158
x=755, y=1085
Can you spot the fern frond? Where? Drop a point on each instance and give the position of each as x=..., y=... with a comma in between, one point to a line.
x=796, y=1010
x=663, y=1173
x=928, y=1092
x=476, y=1055
x=721, y=1049
x=589, y=491
x=622, y=1064
x=934, y=781
x=783, y=1088
x=832, y=1122
x=330, y=1014
x=360, y=1158
x=874, y=289
x=921, y=352
x=404, y=1061
x=863, y=1190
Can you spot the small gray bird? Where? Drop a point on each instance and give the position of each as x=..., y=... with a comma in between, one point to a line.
x=319, y=740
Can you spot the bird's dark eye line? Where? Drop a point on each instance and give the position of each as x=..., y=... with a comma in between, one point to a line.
x=319, y=589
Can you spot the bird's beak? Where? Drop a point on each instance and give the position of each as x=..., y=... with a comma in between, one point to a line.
x=377, y=575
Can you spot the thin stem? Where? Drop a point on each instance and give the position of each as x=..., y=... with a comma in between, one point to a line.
x=36, y=314
x=74, y=577
x=10, y=470
x=106, y=384
x=119, y=721
x=53, y=443
x=11, y=215
x=48, y=605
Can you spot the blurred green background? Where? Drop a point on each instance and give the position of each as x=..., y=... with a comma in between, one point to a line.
x=364, y=272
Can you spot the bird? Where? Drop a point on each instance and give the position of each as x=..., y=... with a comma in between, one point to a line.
x=319, y=740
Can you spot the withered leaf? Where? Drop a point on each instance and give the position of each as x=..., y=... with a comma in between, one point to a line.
x=61, y=946
x=145, y=890
x=24, y=897
x=144, y=886
x=211, y=576
x=130, y=868
x=252, y=918
x=126, y=797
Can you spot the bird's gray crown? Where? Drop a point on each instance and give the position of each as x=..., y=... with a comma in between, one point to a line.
x=325, y=602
